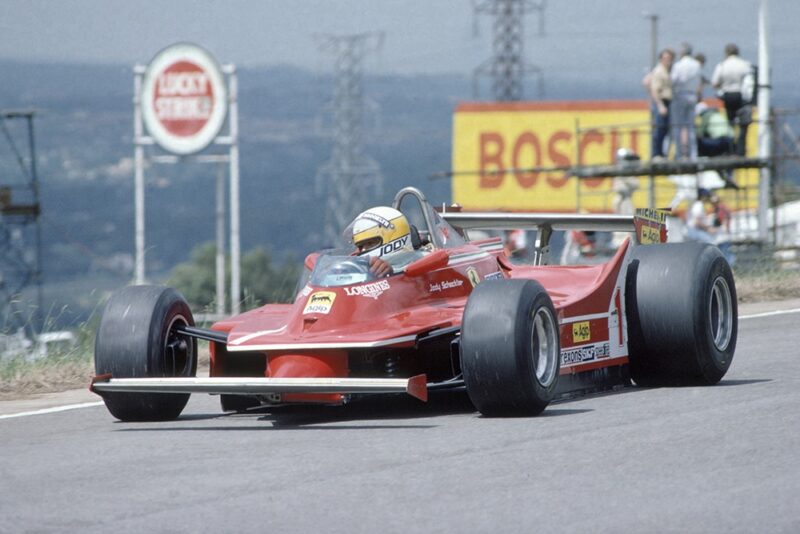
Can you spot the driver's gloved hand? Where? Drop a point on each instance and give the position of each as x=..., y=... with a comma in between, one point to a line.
x=379, y=267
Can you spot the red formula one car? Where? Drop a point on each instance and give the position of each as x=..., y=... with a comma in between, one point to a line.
x=455, y=313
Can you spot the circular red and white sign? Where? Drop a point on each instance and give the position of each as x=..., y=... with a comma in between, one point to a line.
x=184, y=98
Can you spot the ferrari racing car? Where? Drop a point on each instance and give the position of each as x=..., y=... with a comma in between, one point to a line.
x=454, y=313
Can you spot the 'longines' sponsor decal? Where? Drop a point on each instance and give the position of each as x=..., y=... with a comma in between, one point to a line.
x=472, y=274
x=373, y=290
x=448, y=284
x=494, y=276
x=320, y=302
x=585, y=354
x=581, y=332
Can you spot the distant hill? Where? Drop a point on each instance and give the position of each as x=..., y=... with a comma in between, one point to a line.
x=84, y=130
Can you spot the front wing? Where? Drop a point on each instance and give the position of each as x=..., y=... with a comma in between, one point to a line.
x=416, y=386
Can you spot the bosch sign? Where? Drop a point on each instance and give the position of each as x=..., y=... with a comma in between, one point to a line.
x=184, y=98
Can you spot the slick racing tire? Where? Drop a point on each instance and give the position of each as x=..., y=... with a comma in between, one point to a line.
x=138, y=338
x=682, y=315
x=510, y=353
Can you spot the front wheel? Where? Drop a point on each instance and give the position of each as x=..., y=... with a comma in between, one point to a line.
x=510, y=348
x=139, y=337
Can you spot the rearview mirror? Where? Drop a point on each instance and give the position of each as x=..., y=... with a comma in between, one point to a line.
x=434, y=260
x=311, y=260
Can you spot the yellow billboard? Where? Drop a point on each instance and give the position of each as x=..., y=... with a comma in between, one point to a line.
x=496, y=144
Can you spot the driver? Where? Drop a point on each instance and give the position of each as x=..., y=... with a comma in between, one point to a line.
x=380, y=231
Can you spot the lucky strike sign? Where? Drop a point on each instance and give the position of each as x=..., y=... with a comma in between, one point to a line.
x=493, y=137
x=184, y=99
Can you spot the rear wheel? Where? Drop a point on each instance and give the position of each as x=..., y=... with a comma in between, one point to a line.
x=138, y=338
x=510, y=352
x=682, y=314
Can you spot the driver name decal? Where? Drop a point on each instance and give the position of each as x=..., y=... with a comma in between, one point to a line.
x=447, y=284
x=320, y=302
x=394, y=246
x=373, y=290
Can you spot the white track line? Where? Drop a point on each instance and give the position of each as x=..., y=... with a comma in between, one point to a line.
x=99, y=403
x=769, y=314
x=53, y=410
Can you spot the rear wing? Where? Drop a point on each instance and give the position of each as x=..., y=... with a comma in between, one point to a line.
x=649, y=225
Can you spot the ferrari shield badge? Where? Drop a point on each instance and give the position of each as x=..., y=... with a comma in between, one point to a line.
x=472, y=274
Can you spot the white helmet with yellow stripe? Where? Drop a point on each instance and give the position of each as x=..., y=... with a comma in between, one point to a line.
x=380, y=231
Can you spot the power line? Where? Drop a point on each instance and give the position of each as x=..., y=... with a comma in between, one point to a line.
x=349, y=176
x=507, y=67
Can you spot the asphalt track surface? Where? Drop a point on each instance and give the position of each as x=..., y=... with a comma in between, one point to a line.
x=697, y=459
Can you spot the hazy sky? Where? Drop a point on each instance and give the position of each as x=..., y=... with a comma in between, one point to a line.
x=583, y=38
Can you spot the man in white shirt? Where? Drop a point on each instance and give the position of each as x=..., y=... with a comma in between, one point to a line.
x=703, y=227
x=659, y=88
x=686, y=79
x=728, y=77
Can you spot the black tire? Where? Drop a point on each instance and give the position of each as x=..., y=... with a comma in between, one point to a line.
x=682, y=314
x=137, y=338
x=510, y=348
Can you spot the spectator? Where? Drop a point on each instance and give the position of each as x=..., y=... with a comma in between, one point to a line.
x=709, y=228
x=701, y=58
x=659, y=88
x=515, y=245
x=685, y=77
x=714, y=134
x=728, y=78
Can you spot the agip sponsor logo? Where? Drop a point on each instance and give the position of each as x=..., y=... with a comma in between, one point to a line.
x=320, y=302
x=581, y=332
x=373, y=290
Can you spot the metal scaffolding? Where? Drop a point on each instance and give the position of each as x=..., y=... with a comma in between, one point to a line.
x=507, y=67
x=20, y=229
x=350, y=178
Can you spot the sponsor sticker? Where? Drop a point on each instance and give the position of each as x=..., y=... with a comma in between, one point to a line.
x=572, y=356
x=447, y=284
x=373, y=290
x=653, y=215
x=581, y=332
x=649, y=235
x=472, y=274
x=380, y=221
x=585, y=354
x=320, y=302
x=494, y=276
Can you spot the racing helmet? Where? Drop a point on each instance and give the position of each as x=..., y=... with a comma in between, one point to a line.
x=380, y=231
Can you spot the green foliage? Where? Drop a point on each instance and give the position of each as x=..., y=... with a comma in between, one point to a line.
x=195, y=279
x=262, y=281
